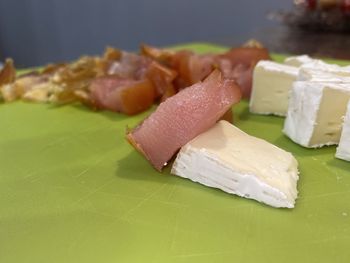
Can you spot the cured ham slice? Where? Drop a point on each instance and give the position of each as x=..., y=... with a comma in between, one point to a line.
x=238, y=64
x=191, y=67
x=162, y=78
x=8, y=72
x=122, y=95
x=130, y=66
x=7, y=77
x=228, y=116
x=246, y=55
x=243, y=74
x=182, y=117
x=161, y=55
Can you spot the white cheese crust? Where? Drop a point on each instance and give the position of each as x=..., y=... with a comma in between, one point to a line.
x=225, y=157
x=271, y=85
x=317, y=75
x=317, y=70
x=315, y=113
x=297, y=61
x=343, y=150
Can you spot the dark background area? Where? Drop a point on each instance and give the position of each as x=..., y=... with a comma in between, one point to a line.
x=35, y=32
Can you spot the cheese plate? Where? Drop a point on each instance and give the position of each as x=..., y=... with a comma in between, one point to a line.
x=73, y=190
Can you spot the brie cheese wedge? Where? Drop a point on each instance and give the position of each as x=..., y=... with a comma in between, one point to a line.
x=343, y=150
x=227, y=158
x=297, y=61
x=315, y=112
x=271, y=85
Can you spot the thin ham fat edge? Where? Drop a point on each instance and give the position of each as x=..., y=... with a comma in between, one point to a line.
x=182, y=117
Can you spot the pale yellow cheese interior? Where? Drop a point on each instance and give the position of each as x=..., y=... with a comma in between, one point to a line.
x=330, y=115
x=270, y=91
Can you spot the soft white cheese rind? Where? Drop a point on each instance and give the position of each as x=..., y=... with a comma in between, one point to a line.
x=297, y=61
x=326, y=68
x=314, y=113
x=316, y=75
x=302, y=112
x=271, y=85
x=323, y=72
x=343, y=150
x=225, y=157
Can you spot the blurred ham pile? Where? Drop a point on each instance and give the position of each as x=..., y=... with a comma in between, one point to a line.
x=128, y=82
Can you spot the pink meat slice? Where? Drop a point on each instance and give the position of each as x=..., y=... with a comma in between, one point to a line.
x=130, y=66
x=241, y=73
x=105, y=91
x=122, y=95
x=182, y=117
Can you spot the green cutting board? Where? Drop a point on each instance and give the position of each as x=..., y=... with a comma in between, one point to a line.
x=73, y=190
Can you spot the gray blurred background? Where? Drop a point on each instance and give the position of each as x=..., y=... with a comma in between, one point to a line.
x=35, y=32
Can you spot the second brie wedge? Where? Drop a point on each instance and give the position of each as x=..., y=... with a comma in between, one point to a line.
x=227, y=158
x=315, y=113
x=271, y=85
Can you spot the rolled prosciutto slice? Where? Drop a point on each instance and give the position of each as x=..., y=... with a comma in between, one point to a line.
x=182, y=117
x=191, y=67
x=246, y=55
x=162, y=78
x=238, y=64
x=129, y=65
x=122, y=95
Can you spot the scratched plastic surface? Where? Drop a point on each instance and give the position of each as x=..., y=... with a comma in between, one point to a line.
x=73, y=190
